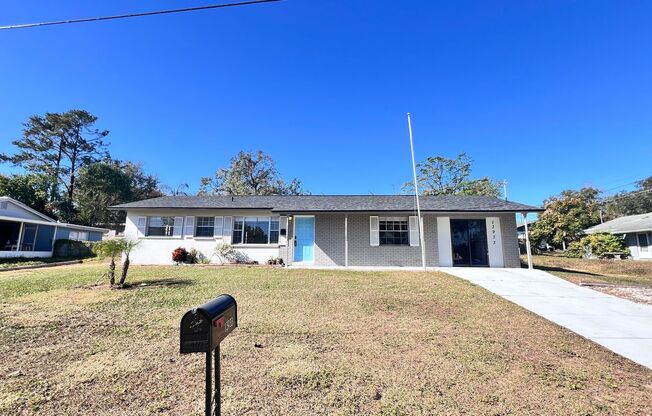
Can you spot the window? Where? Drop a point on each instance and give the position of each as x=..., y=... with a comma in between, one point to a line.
x=255, y=230
x=205, y=227
x=643, y=243
x=393, y=232
x=273, y=230
x=160, y=226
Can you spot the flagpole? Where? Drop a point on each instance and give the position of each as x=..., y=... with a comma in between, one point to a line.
x=416, y=193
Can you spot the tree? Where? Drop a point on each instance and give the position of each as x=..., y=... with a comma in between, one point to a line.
x=438, y=175
x=249, y=174
x=58, y=145
x=111, y=248
x=566, y=216
x=108, y=183
x=638, y=201
x=127, y=247
x=40, y=150
x=181, y=190
x=30, y=189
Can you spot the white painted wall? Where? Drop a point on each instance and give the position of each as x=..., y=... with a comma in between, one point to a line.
x=16, y=211
x=158, y=250
x=495, y=242
x=444, y=241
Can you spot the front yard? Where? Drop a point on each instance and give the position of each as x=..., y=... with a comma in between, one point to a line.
x=630, y=279
x=309, y=343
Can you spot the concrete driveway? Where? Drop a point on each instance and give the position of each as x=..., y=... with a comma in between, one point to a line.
x=618, y=324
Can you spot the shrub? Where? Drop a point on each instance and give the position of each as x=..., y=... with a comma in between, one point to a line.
x=226, y=253
x=597, y=245
x=275, y=261
x=73, y=248
x=179, y=255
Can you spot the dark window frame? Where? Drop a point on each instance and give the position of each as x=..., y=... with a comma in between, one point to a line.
x=393, y=231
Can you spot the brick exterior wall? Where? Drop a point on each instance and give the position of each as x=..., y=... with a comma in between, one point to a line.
x=329, y=242
x=510, y=241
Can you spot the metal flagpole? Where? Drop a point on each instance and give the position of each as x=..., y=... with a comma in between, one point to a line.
x=416, y=193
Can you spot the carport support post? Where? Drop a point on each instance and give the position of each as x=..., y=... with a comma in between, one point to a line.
x=527, y=241
x=346, y=240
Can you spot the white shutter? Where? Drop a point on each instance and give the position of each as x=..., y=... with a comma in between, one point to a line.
x=413, y=224
x=178, y=227
x=226, y=231
x=282, y=225
x=374, y=239
x=141, y=226
x=189, y=227
x=219, y=223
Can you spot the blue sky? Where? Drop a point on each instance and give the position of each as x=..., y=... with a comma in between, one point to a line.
x=548, y=95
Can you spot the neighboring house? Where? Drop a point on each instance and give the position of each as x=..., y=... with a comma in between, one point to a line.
x=637, y=231
x=326, y=231
x=25, y=232
x=520, y=232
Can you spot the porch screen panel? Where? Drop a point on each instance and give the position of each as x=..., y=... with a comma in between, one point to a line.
x=44, y=238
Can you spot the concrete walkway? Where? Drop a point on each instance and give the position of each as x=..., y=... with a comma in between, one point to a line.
x=618, y=324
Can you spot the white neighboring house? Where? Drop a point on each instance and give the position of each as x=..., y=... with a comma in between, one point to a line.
x=25, y=232
x=330, y=230
x=637, y=231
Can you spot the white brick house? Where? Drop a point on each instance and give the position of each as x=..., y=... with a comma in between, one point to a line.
x=325, y=231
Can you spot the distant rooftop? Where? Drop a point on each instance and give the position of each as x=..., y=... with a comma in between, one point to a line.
x=623, y=225
x=334, y=203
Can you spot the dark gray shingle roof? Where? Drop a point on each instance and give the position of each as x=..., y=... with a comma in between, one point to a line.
x=330, y=203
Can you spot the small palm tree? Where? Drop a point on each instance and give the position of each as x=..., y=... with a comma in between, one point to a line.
x=127, y=246
x=110, y=248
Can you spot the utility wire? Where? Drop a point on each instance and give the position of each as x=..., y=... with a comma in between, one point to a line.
x=612, y=198
x=125, y=16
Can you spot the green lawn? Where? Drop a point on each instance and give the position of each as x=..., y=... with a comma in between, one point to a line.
x=36, y=261
x=333, y=343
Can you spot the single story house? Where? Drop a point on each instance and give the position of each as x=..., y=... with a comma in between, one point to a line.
x=330, y=231
x=25, y=232
x=637, y=231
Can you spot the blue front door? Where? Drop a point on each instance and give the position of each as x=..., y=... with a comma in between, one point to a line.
x=304, y=239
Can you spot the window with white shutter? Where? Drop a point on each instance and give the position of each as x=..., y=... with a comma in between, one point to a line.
x=141, y=226
x=226, y=232
x=219, y=227
x=178, y=227
x=189, y=227
x=373, y=231
x=414, y=230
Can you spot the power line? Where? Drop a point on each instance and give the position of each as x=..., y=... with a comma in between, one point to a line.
x=125, y=16
x=626, y=195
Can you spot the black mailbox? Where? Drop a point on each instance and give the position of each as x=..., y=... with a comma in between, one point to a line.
x=203, y=328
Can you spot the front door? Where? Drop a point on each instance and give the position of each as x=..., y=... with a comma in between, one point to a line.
x=469, y=242
x=304, y=239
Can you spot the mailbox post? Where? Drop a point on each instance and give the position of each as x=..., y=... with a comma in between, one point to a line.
x=201, y=330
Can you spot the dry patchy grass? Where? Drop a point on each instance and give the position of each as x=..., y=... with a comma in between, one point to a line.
x=621, y=272
x=333, y=343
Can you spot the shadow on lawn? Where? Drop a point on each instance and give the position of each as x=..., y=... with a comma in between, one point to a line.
x=157, y=283
x=561, y=270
